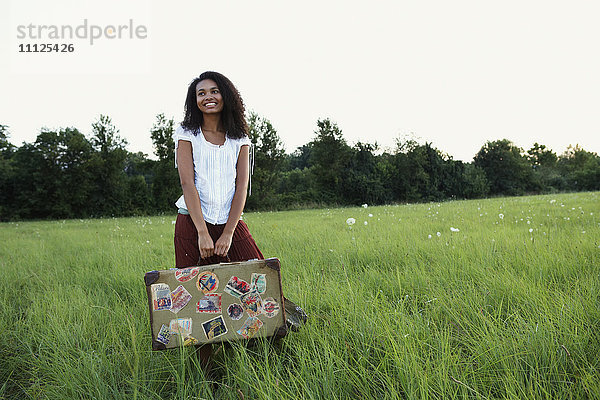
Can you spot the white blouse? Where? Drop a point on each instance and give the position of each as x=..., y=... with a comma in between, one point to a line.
x=215, y=170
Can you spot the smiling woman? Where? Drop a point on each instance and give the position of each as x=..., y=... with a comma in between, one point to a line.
x=211, y=154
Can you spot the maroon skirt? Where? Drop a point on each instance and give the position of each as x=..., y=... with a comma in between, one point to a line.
x=187, y=253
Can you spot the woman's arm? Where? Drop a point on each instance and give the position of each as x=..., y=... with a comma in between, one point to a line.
x=185, y=166
x=237, y=204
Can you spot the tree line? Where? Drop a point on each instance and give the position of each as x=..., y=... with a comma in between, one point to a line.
x=64, y=174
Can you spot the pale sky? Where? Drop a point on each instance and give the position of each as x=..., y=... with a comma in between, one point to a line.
x=455, y=73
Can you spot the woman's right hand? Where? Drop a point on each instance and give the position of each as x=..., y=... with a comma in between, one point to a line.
x=206, y=245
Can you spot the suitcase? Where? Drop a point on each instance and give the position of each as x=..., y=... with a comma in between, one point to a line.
x=216, y=303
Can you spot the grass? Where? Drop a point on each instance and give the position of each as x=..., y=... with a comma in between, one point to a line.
x=491, y=311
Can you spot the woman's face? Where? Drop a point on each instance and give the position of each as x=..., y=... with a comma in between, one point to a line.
x=208, y=97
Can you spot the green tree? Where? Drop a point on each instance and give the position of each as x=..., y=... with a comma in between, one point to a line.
x=544, y=163
x=166, y=187
x=329, y=157
x=541, y=156
x=363, y=179
x=268, y=162
x=109, y=196
x=6, y=174
x=300, y=158
x=140, y=174
x=505, y=167
x=475, y=183
x=580, y=168
x=53, y=175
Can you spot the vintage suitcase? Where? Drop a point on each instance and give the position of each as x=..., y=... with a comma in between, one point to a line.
x=215, y=303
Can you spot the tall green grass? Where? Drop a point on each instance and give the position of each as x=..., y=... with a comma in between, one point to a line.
x=490, y=311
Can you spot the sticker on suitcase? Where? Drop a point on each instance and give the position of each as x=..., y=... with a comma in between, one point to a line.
x=179, y=298
x=164, y=335
x=235, y=311
x=237, y=287
x=252, y=303
x=190, y=341
x=207, y=282
x=259, y=281
x=250, y=327
x=210, y=303
x=181, y=326
x=186, y=274
x=270, y=307
x=161, y=296
x=214, y=328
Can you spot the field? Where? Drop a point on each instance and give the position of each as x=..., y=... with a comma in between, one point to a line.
x=495, y=298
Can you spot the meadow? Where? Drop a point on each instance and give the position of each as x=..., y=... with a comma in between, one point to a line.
x=484, y=299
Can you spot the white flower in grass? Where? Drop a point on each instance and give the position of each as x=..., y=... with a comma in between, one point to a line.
x=454, y=229
x=173, y=222
x=370, y=215
x=530, y=230
x=428, y=236
x=350, y=221
x=365, y=205
x=501, y=216
x=439, y=234
x=366, y=223
x=528, y=222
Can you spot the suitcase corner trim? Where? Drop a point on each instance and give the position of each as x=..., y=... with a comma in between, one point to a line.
x=151, y=277
x=273, y=263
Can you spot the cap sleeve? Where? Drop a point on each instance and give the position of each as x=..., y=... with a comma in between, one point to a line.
x=245, y=141
x=180, y=134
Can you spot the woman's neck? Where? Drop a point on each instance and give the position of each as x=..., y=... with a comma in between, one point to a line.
x=212, y=123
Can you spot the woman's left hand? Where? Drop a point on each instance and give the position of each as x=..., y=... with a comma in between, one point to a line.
x=223, y=244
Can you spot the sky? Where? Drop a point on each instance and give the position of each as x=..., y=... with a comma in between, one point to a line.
x=454, y=73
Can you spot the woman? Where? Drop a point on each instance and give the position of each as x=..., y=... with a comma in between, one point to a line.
x=211, y=154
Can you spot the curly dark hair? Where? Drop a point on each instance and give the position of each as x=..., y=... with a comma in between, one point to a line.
x=232, y=115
